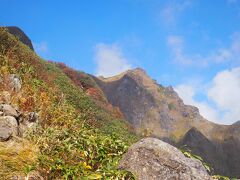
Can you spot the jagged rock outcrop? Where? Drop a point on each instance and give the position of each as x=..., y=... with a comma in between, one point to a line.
x=148, y=105
x=158, y=111
x=16, y=31
x=153, y=159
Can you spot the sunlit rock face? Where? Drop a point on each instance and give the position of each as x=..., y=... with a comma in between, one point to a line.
x=159, y=112
x=150, y=106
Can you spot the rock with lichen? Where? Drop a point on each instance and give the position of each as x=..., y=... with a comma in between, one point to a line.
x=153, y=159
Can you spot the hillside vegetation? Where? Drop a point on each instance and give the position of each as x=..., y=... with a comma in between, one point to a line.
x=67, y=124
x=76, y=136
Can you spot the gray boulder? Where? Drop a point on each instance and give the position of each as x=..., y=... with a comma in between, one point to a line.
x=153, y=159
x=8, y=127
x=8, y=110
x=5, y=133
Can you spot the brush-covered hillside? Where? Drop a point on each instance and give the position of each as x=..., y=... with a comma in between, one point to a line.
x=77, y=132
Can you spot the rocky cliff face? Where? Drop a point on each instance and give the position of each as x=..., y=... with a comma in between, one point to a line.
x=152, y=107
x=158, y=111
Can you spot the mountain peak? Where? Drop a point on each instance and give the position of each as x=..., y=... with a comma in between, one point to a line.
x=135, y=73
x=136, y=70
x=19, y=33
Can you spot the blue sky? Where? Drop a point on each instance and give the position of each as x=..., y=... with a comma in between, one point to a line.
x=193, y=45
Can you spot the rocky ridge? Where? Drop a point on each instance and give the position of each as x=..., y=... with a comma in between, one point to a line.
x=158, y=111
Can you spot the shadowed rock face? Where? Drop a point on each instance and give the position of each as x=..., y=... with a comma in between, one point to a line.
x=211, y=152
x=16, y=31
x=223, y=156
x=151, y=107
x=134, y=108
x=231, y=148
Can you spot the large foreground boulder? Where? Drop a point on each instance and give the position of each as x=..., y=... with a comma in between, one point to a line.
x=151, y=159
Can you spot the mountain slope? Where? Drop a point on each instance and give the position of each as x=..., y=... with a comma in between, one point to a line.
x=82, y=131
x=157, y=110
x=75, y=137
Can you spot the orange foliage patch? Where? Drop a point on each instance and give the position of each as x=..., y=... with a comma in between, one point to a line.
x=95, y=93
x=72, y=74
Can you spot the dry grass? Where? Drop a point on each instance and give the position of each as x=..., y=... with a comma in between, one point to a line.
x=16, y=157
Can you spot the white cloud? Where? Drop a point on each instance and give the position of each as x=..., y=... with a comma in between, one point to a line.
x=110, y=60
x=218, y=56
x=187, y=92
x=223, y=93
x=40, y=47
x=172, y=11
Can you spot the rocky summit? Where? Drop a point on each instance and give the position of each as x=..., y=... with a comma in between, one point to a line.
x=159, y=112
